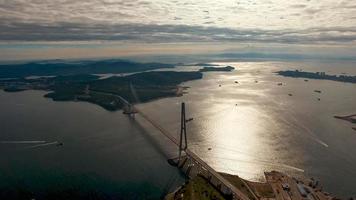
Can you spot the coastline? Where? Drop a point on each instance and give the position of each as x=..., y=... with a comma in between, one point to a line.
x=348, y=118
x=136, y=88
x=277, y=186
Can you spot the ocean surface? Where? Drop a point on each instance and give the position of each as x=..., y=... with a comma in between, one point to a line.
x=251, y=126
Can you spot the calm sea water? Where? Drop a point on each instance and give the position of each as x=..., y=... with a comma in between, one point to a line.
x=103, y=151
x=251, y=127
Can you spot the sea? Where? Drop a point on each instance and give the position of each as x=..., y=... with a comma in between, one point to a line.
x=245, y=122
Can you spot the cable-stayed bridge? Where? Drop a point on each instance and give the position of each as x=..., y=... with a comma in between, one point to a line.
x=187, y=158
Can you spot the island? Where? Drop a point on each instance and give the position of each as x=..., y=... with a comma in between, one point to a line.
x=217, y=69
x=14, y=89
x=317, y=75
x=349, y=118
x=68, y=67
x=79, y=80
x=138, y=87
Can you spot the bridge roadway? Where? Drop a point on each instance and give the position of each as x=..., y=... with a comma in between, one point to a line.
x=237, y=194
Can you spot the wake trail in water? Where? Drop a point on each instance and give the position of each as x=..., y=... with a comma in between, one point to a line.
x=42, y=145
x=292, y=167
x=264, y=163
x=256, y=160
x=297, y=124
x=23, y=142
x=310, y=132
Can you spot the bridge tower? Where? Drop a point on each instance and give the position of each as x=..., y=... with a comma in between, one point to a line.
x=183, y=145
x=128, y=109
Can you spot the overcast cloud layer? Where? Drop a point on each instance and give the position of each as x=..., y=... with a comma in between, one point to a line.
x=305, y=21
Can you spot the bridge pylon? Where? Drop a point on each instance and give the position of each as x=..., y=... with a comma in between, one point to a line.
x=183, y=145
x=128, y=109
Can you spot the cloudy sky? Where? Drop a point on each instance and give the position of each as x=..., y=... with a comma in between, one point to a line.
x=34, y=24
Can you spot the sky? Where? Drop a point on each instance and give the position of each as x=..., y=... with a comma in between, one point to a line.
x=58, y=28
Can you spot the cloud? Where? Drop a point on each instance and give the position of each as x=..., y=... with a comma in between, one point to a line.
x=177, y=21
x=297, y=6
x=168, y=33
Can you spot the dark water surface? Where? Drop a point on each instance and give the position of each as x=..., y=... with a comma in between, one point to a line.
x=103, y=151
x=251, y=127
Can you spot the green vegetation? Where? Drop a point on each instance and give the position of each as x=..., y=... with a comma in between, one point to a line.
x=140, y=87
x=317, y=75
x=73, y=81
x=239, y=184
x=14, y=89
x=197, y=188
x=217, y=69
x=262, y=190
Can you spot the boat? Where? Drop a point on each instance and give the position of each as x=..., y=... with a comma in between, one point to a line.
x=190, y=119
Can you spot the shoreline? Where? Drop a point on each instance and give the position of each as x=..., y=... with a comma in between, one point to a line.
x=277, y=186
x=141, y=87
x=348, y=118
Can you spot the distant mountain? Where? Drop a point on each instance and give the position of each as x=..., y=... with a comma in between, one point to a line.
x=280, y=56
x=60, y=67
